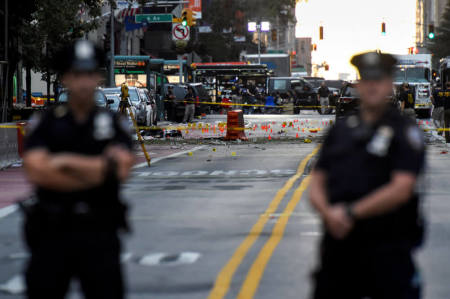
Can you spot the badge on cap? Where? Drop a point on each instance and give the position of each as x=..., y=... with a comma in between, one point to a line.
x=84, y=50
x=371, y=58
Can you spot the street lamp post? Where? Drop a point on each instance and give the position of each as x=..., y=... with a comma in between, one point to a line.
x=259, y=27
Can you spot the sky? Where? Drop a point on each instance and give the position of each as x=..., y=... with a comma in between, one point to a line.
x=352, y=26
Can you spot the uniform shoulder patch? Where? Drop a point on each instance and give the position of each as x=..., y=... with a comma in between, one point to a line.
x=415, y=137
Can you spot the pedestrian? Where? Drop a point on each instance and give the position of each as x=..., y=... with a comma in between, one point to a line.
x=189, y=103
x=363, y=187
x=323, y=94
x=170, y=104
x=438, y=109
x=407, y=101
x=446, y=99
x=76, y=156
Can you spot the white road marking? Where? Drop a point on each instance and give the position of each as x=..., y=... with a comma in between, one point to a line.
x=156, y=259
x=311, y=234
x=220, y=173
x=8, y=210
x=155, y=160
x=14, y=286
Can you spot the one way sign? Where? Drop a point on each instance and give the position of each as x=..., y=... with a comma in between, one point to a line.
x=180, y=32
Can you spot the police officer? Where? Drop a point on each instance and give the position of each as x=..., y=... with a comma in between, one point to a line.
x=438, y=109
x=445, y=95
x=363, y=187
x=76, y=156
x=407, y=101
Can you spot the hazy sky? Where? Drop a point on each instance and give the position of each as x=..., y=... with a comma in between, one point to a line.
x=352, y=26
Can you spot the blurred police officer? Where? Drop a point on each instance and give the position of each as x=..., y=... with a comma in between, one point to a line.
x=363, y=187
x=76, y=156
x=408, y=101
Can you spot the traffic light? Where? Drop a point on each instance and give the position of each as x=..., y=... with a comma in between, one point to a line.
x=187, y=18
x=383, y=28
x=314, y=47
x=274, y=35
x=321, y=32
x=431, y=33
x=411, y=50
x=327, y=67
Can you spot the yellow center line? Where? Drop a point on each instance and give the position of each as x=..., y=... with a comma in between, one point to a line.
x=225, y=276
x=256, y=272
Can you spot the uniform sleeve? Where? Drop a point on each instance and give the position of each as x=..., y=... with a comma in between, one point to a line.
x=324, y=160
x=36, y=132
x=409, y=150
x=123, y=129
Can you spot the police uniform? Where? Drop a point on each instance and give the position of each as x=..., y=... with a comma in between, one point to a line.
x=438, y=109
x=444, y=94
x=409, y=100
x=75, y=234
x=374, y=260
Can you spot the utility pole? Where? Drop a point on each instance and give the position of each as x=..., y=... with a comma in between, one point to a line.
x=258, y=27
x=111, y=60
x=6, y=66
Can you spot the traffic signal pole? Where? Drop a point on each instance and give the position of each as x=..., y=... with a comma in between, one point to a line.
x=111, y=61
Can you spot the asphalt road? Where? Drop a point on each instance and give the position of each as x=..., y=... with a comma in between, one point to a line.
x=233, y=221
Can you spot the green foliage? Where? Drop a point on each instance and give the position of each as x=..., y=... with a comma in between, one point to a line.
x=440, y=45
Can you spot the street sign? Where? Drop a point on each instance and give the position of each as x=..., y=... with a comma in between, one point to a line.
x=180, y=32
x=153, y=18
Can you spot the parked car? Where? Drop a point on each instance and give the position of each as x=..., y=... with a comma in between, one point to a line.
x=115, y=101
x=292, y=88
x=100, y=98
x=202, y=96
x=179, y=91
x=335, y=87
x=138, y=103
x=314, y=81
x=348, y=101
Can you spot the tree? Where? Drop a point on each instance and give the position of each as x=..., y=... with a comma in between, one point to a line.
x=38, y=29
x=440, y=45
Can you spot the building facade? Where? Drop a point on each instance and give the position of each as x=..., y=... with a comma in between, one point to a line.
x=428, y=12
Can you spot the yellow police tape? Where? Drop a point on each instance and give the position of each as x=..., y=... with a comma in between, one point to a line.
x=248, y=105
x=21, y=128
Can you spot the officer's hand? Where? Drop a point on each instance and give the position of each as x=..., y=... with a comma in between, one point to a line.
x=338, y=222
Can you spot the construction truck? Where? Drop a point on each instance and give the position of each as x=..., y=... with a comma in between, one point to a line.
x=416, y=70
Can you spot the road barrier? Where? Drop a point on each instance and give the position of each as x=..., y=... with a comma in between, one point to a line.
x=235, y=125
x=11, y=141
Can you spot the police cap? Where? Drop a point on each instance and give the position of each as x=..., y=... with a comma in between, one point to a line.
x=81, y=56
x=374, y=65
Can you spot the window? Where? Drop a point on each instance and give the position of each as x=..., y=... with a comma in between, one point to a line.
x=279, y=84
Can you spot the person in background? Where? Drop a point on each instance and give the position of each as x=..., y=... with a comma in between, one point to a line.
x=323, y=94
x=364, y=189
x=407, y=101
x=170, y=104
x=438, y=109
x=189, y=103
x=445, y=94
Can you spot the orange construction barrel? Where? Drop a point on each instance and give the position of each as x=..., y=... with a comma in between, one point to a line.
x=235, y=125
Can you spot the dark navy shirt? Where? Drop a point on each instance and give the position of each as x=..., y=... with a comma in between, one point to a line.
x=359, y=159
